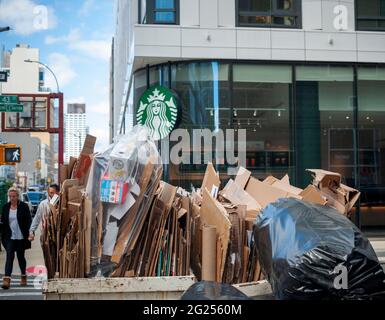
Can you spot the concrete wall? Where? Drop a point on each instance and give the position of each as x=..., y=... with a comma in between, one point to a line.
x=126, y=18
x=208, y=30
x=24, y=77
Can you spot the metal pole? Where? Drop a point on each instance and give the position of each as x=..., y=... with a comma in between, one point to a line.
x=3, y=29
x=356, y=147
x=61, y=133
x=49, y=69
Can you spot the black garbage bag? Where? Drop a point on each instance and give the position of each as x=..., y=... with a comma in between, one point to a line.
x=210, y=290
x=309, y=251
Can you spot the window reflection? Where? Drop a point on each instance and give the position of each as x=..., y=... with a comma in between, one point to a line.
x=11, y=119
x=325, y=134
x=262, y=107
x=26, y=115
x=371, y=122
x=40, y=115
x=317, y=110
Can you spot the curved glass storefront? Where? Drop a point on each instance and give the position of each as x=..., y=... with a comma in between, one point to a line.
x=296, y=116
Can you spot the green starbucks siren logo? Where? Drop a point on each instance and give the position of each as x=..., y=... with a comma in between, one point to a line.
x=157, y=111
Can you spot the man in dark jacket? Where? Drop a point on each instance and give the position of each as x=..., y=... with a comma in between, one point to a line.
x=15, y=221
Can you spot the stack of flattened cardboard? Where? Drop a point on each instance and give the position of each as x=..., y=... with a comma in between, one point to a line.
x=146, y=232
x=163, y=244
x=49, y=236
x=66, y=236
x=157, y=229
x=226, y=218
x=232, y=211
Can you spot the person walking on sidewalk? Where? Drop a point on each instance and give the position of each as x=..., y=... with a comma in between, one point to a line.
x=43, y=210
x=15, y=221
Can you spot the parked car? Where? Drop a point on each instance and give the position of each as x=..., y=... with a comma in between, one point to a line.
x=35, y=198
x=25, y=199
x=34, y=188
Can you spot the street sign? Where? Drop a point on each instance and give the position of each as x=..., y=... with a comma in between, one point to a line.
x=3, y=76
x=11, y=107
x=12, y=154
x=8, y=99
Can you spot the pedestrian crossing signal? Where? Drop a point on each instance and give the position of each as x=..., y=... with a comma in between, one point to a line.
x=10, y=154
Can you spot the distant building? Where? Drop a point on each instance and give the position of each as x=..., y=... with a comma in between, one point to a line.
x=75, y=130
x=28, y=78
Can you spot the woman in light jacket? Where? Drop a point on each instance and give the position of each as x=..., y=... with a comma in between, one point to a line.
x=15, y=221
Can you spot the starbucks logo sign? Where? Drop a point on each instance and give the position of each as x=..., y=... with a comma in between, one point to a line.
x=157, y=111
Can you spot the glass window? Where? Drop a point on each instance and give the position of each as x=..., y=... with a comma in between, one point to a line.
x=269, y=13
x=11, y=119
x=159, y=11
x=140, y=85
x=370, y=14
x=371, y=122
x=262, y=99
x=324, y=123
x=25, y=117
x=41, y=113
x=204, y=95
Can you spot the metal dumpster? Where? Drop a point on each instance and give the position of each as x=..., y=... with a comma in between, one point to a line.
x=141, y=288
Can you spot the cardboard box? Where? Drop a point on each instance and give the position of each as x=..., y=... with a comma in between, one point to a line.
x=211, y=181
x=89, y=144
x=213, y=213
x=284, y=184
x=117, y=169
x=312, y=194
x=71, y=166
x=83, y=165
x=235, y=193
x=242, y=177
x=338, y=195
x=265, y=193
x=325, y=179
x=113, y=191
x=63, y=173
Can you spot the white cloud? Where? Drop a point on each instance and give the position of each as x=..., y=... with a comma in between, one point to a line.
x=100, y=131
x=26, y=16
x=86, y=7
x=99, y=49
x=100, y=108
x=91, y=48
x=61, y=66
x=73, y=35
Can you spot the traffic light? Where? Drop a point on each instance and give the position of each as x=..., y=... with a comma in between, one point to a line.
x=38, y=164
x=10, y=154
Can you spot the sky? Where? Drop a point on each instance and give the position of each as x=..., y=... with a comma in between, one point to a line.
x=74, y=38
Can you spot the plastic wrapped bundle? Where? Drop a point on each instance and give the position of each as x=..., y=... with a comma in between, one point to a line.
x=309, y=251
x=122, y=183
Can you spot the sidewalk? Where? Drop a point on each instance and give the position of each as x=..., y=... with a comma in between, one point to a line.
x=34, y=256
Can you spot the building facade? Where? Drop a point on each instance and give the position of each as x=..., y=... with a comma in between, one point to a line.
x=75, y=130
x=28, y=79
x=305, y=79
